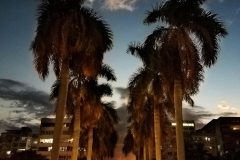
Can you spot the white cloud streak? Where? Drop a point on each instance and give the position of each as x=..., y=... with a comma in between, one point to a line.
x=237, y=10
x=114, y=5
x=223, y=105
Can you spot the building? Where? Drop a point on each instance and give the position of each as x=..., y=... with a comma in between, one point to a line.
x=207, y=139
x=34, y=142
x=170, y=151
x=45, y=139
x=227, y=132
x=13, y=141
x=188, y=127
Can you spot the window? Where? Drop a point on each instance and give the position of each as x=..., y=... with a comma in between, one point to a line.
x=22, y=144
x=169, y=153
x=15, y=145
x=207, y=139
x=49, y=140
x=63, y=149
x=43, y=148
x=24, y=138
x=236, y=128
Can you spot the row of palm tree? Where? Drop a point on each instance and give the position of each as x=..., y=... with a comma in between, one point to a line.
x=173, y=59
x=73, y=39
x=97, y=123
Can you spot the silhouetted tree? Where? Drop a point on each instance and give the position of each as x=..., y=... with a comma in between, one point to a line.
x=27, y=155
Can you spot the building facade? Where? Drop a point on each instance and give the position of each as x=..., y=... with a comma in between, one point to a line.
x=227, y=132
x=208, y=140
x=170, y=151
x=13, y=141
x=45, y=139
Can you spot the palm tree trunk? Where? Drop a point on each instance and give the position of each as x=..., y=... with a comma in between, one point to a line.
x=90, y=143
x=60, y=113
x=76, y=132
x=157, y=133
x=178, y=119
x=145, y=151
x=150, y=149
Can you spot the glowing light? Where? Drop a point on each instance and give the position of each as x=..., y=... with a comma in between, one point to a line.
x=236, y=128
x=185, y=124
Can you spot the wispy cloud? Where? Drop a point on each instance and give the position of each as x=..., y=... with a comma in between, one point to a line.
x=200, y=115
x=114, y=5
x=230, y=22
x=223, y=105
x=26, y=103
x=237, y=10
x=221, y=1
x=124, y=92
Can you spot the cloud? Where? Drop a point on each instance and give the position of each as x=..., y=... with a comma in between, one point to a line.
x=221, y=1
x=237, y=10
x=27, y=104
x=114, y=5
x=223, y=105
x=199, y=115
x=124, y=92
x=230, y=22
x=122, y=126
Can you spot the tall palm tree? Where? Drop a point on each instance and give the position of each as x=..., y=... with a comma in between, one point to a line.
x=68, y=32
x=190, y=42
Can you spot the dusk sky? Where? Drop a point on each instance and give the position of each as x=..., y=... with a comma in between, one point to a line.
x=24, y=97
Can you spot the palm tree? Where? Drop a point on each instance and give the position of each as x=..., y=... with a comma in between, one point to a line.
x=99, y=134
x=80, y=99
x=69, y=36
x=146, y=86
x=26, y=155
x=190, y=42
x=105, y=136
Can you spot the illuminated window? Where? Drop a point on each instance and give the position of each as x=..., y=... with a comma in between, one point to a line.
x=8, y=152
x=236, y=128
x=24, y=138
x=63, y=149
x=35, y=142
x=49, y=148
x=207, y=139
x=184, y=124
x=50, y=140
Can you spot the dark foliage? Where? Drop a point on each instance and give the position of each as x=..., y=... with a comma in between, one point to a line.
x=27, y=155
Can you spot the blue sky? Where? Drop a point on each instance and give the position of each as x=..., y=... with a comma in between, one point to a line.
x=24, y=97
